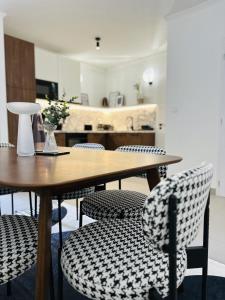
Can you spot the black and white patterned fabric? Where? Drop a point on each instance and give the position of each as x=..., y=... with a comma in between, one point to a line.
x=6, y=190
x=124, y=259
x=85, y=191
x=148, y=150
x=112, y=204
x=18, y=246
x=191, y=189
x=76, y=194
x=90, y=146
x=6, y=145
x=112, y=260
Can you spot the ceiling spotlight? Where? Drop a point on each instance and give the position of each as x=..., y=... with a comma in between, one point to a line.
x=98, y=39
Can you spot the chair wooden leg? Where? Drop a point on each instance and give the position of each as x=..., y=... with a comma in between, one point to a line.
x=31, y=205
x=60, y=223
x=12, y=203
x=35, y=205
x=77, y=208
x=8, y=289
x=206, y=246
x=120, y=184
x=172, y=247
x=81, y=215
x=60, y=275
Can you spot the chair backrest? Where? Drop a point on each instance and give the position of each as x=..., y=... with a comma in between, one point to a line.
x=148, y=150
x=191, y=188
x=92, y=146
x=6, y=145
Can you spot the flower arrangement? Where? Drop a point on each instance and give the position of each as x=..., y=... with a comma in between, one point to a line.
x=56, y=112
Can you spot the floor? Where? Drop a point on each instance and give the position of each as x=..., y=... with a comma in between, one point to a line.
x=217, y=220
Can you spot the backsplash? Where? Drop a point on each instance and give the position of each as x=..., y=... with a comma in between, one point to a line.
x=120, y=118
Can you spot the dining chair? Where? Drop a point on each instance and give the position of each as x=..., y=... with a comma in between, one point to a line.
x=109, y=204
x=11, y=191
x=121, y=259
x=18, y=248
x=148, y=150
x=92, y=146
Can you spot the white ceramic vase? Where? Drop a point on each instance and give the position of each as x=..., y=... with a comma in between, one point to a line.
x=25, y=140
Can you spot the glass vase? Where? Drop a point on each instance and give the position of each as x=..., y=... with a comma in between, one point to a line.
x=50, y=142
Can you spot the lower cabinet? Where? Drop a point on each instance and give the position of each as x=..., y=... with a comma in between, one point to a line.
x=110, y=141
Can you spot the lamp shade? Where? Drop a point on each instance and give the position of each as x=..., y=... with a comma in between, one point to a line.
x=25, y=140
x=148, y=76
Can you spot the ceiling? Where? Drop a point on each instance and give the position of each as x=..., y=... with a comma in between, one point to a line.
x=129, y=29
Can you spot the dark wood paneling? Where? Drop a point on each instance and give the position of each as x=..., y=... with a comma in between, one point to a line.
x=115, y=140
x=99, y=138
x=110, y=141
x=60, y=139
x=20, y=77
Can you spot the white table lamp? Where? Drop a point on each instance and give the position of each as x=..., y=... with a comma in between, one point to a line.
x=25, y=140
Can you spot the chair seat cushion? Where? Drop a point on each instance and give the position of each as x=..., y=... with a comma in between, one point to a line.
x=76, y=194
x=111, y=259
x=112, y=204
x=18, y=245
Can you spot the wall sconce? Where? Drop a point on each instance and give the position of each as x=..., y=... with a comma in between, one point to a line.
x=148, y=76
x=97, y=39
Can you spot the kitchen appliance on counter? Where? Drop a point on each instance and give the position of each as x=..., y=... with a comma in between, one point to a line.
x=87, y=127
x=104, y=127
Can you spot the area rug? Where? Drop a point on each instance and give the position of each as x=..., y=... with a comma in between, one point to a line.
x=23, y=287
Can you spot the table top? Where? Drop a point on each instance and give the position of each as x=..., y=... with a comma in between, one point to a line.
x=80, y=166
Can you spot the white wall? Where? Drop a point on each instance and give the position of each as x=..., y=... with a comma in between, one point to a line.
x=122, y=78
x=194, y=84
x=55, y=67
x=93, y=82
x=3, y=111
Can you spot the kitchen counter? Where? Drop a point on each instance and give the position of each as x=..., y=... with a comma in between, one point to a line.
x=109, y=139
x=106, y=131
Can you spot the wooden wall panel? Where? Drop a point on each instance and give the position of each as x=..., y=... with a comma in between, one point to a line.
x=20, y=77
x=110, y=141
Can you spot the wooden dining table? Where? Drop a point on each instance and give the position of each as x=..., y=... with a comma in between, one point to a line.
x=48, y=176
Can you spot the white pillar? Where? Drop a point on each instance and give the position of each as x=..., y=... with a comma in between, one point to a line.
x=3, y=110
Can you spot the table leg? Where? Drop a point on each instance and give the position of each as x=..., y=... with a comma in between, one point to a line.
x=44, y=247
x=153, y=178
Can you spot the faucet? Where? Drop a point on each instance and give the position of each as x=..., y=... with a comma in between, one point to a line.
x=129, y=118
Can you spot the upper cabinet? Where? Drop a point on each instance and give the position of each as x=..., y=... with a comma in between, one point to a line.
x=69, y=77
x=20, y=70
x=46, y=65
x=57, y=68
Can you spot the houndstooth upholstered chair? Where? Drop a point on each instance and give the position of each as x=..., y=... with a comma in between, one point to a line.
x=10, y=191
x=77, y=194
x=140, y=259
x=91, y=146
x=18, y=249
x=110, y=204
x=18, y=246
x=85, y=191
x=7, y=190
